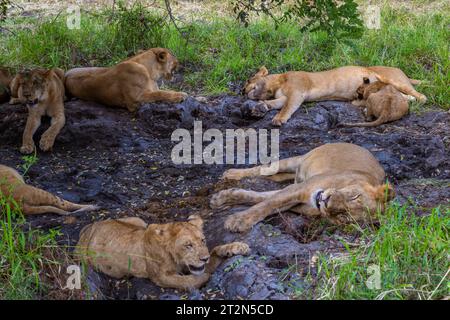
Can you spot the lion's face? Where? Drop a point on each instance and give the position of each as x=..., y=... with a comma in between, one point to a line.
x=187, y=245
x=33, y=86
x=353, y=203
x=167, y=63
x=367, y=88
x=256, y=87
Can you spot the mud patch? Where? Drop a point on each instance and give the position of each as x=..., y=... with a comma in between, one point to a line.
x=122, y=162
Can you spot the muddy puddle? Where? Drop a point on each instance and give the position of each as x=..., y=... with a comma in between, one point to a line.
x=122, y=162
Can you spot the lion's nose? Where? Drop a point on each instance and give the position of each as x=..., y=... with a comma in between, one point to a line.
x=205, y=259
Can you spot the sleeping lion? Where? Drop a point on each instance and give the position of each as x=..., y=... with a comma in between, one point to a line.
x=33, y=200
x=382, y=103
x=287, y=91
x=340, y=182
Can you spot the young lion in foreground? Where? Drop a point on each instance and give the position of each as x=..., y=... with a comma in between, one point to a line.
x=128, y=84
x=341, y=182
x=172, y=255
x=380, y=101
x=289, y=90
x=43, y=92
x=32, y=200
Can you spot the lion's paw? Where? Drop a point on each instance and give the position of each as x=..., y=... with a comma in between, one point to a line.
x=181, y=96
x=278, y=121
x=46, y=143
x=232, y=174
x=239, y=222
x=27, y=149
x=224, y=198
x=233, y=249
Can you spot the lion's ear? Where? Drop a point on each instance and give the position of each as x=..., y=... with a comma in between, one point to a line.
x=385, y=192
x=161, y=56
x=196, y=221
x=366, y=80
x=262, y=72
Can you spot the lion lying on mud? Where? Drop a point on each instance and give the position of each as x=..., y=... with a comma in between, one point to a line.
x=172, y=255
x=43, y=92
x=340, y=182
x=129, y=83
x=5, y=79
x=33, y=200
x=380, y=101
x=287, y=91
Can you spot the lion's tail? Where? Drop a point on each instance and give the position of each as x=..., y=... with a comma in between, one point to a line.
x=375, y=123
x=37, y=199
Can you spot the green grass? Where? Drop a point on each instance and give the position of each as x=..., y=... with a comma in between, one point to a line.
x=219, y=52
x=22, y=254
x=412, y=253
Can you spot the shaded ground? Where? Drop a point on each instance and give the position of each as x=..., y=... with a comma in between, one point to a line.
x=122, y=162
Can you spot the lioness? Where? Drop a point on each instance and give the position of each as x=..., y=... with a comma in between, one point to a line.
x=289, y=90
x=341, y=182
x=5, y=79
x=32, y=200
x=128, y=84
x=43, y=92
x=380, y=101
x=172, y=255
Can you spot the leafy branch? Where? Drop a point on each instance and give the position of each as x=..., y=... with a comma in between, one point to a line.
x=338, y=18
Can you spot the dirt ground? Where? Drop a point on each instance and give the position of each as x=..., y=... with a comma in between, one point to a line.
x=122, y=162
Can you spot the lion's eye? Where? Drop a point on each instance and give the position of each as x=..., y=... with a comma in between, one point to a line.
x=188, y=246
x=355, y=197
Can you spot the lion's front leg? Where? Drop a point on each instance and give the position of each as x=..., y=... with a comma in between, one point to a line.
x=49, y=136
x=177, y=281
x=231, y=197
x=33, y=123
x=276, y=104
x=219, y=253
x=163, y=96
x=294, y=101
x=281, y=201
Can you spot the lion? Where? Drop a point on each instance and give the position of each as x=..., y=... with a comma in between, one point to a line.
x=287, y=91
x=32, y=200
x=127, y=84
x=380, y=101
x=340, y=182
x=5, y=80
x=42, y=91
x=172, y=255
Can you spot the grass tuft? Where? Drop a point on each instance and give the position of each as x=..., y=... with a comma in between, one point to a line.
x=411, y=253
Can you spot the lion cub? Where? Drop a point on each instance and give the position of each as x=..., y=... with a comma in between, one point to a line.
x=172, y=255
x=32, y=200
x=380, y=101
x=43, y=92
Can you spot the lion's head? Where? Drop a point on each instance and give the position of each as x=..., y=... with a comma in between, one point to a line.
x=185, y=243
x=367, y=88
x=167, y=63
x=258, y=87
x=33, y=85
x=357, y=202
